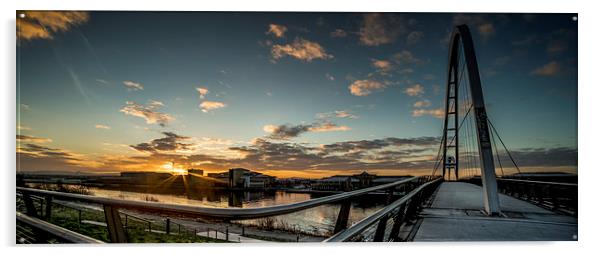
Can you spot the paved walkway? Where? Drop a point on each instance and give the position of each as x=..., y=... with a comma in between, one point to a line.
x=457, y=214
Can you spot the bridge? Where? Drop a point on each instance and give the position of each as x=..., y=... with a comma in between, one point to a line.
x=468, y=196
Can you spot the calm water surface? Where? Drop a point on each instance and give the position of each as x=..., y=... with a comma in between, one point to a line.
x=319, y=220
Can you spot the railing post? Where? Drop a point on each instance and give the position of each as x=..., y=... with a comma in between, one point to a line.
x=114, y=226
x=79, y=219
x=379, y=235
x=343, y=218
x=227, y=237
x=401, y=215
x=167, y=226
x=48, y=212
x=29, y=206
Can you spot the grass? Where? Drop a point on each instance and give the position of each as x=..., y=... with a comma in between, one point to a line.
x=137, y=231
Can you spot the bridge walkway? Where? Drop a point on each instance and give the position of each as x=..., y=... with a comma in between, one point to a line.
x=456, y=213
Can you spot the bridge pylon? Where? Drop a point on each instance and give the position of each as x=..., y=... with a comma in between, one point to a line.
x=462, y=58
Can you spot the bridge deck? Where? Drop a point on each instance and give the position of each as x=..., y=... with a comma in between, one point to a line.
x=456, y=214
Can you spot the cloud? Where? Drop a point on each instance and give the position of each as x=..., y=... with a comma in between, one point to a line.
x=486, y=30
x=277, y=30
x=300, y=49
x=338, y=33
x=100, y=126
x=415, y=90
x=336, y=114
x=45, y=24
x=207, y=106
x=383, y=66
x=170, y=143
x=378, y=28
x=414, y=37
x=23, y=128
x=148, y=113
x=25, y=107
x=202, y=92
x=406, y=57
x=286, y=132
x=365, y=87
x=422, y=103
x=104, y=82
x=437, y=113
x=130, y=85
x=548, y=69
x=155, y=104
x=557, y=46
x=32, y=139
x=484, y=27
x=329, y=77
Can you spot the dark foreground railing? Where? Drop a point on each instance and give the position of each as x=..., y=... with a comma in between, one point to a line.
x=117, y=232
x=34, y=230
x=555, y=196
x=552, y=195
x=389, y=220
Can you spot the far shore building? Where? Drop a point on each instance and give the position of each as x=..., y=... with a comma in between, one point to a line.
x=353, y=182
x=241, y=178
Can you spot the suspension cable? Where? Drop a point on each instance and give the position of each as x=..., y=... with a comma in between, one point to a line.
x=507, y=151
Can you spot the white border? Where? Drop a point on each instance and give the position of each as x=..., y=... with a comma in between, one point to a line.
x=589, y=92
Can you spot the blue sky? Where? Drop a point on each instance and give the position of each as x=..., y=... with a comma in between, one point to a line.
x=113, y=91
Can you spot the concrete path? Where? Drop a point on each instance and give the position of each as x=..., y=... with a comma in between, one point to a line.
x=457, y=214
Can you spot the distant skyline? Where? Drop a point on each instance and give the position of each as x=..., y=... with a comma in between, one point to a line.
x=288, y=94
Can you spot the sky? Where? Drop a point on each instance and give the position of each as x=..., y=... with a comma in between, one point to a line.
x=287, y=94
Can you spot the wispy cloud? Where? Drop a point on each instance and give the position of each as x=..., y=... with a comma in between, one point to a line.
x=415, y=90
x=422, y=103
x=383, y=66
x=286, y=132
x=207, y=106
x=147, y=112
x=45, y=24
x=202, y=92
x=32, y=139
x=100, y=126
x=329, y=77
x=379, y=28
x=277, y=30
x=483, y=25
x=437, y=113
x=130, y=85
x=300, y=49
x=414, y=37
x=365, y=87
x=336, y=114
x=548, y=69
x=338, y=33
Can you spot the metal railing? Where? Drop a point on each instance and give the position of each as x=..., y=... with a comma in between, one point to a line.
x=552, y=195
x=34, y=230
x=399, y=212
x=117, y=233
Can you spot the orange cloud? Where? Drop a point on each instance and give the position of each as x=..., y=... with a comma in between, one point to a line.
x=300, y=49
x=437, y=113
x=365, y=87
x=415, y=90
x=32, y=139
x=146, y=112
x=277, y=30
x=44, y=24
x=207, y=106
x=548, y=69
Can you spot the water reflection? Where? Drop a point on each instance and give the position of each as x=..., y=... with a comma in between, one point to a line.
x=319, y=220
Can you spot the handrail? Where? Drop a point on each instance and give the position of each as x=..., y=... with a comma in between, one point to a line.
x=360, y=226
x=220, y=213
x=55, y=230
x=540, y=182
